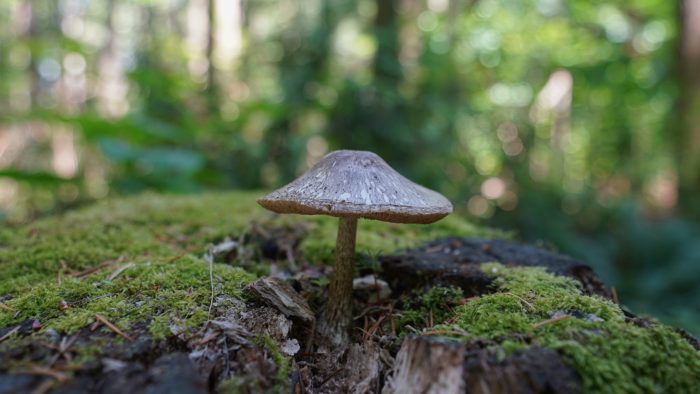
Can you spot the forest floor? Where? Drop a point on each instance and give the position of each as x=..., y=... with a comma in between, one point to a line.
x=213, y=294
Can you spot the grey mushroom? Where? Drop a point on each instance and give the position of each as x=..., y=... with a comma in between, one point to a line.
x=350, y=185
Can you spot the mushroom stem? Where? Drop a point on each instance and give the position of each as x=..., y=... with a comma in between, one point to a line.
x=338, y=314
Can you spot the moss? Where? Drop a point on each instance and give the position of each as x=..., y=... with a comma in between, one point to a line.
x=281, y=361
x=611, y=354
x=434, y=305
x=160, y=239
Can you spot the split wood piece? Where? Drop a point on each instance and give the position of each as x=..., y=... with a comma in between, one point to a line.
x=430, y=365
x=442, y=365
x=280, y=295
x=363, y=367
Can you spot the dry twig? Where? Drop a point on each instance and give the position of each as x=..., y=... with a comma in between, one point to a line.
x=119, y=270
x=95, y=269
x=113, y=328
x=549, y=321
x=9, y=333
x=613, y=293
x=5, y=307
x=532, y=308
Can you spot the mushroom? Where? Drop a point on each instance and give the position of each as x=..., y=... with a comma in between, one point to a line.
x=351, y=185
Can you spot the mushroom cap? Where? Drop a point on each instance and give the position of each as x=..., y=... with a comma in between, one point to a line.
x=359, y=184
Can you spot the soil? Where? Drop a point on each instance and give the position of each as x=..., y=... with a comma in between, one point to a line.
x=243, y=348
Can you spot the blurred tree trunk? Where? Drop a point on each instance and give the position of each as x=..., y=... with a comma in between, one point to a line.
x=688, y=138
x=212, y=93
x=387, y=67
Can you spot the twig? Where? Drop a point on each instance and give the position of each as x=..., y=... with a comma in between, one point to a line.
x=374, y=328
x=464, y=301
x=43, y=371
x=211, y=282
x=119, y=270
x=330, y=377
x=227, y=370
x=613, y=293
x=62, y=349
x=5, y=307
x=532, y=308
x=549, y=321
x=113, y=327
x=94, y=269
x=44, y=387
x=9, y=333
x=444, y=332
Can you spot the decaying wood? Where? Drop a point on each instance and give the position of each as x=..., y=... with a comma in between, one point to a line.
x=281, y=296
x=457, y=262
x=428, y=364
x=364, y=367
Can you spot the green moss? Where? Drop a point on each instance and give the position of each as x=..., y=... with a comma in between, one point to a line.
x=434, y=305
x=281, y=361
x=161, y=239
x=611, y=355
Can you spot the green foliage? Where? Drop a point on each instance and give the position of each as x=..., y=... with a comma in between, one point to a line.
x=611, y=354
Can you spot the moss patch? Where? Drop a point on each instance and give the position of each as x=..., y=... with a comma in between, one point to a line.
x=611, y=354
x=159, y=241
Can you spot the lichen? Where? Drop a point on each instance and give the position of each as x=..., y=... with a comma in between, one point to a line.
x=610, y=353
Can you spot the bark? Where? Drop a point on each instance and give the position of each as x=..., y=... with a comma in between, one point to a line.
x=439, y=365
x=688, y=138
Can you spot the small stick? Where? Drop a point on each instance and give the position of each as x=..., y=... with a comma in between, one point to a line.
x=94, y=269
x=9, y=333
x=532, y=308
x=430, y=316
x=113, y=327
x=391, y=320
x=5, y=307
x=444, y=332
x=549, y=321
x=375, y=327
x=44, y=387
x=43, y=371
x=119, y=270
x=464, y=301
x=209, y=338
x=613, y=292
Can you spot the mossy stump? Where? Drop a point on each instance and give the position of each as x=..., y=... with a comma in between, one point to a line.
x=146, y=265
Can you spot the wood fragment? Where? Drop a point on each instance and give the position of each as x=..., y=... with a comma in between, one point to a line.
x=550, y=321
x=52, y=373
x=113, y=327
x=427, y=365
x=5, y=307
x=9, y=333
x=281, y=296
x=44, y=387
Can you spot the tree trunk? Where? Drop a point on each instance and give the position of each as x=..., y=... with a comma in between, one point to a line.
x=688, y=138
